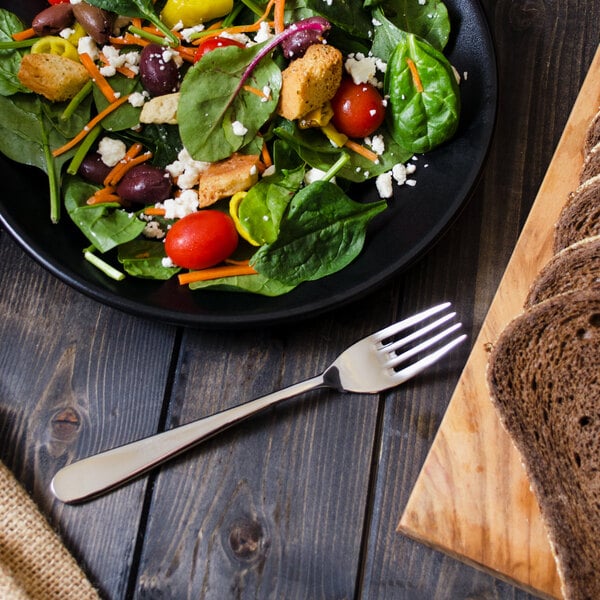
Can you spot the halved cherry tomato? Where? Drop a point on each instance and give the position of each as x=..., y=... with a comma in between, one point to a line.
x=209, y=44
x=201, y=239
x=358, y=109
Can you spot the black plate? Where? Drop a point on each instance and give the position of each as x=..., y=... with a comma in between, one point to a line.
x=415, y=219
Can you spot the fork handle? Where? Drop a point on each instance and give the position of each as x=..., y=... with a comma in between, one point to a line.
x=102, y=472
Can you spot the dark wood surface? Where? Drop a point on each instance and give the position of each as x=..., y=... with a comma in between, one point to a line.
x=301, y=502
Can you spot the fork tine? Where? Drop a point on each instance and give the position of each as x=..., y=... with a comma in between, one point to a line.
x=418, y=333
x=397, y=359
x=414, y=369
x=395, y=328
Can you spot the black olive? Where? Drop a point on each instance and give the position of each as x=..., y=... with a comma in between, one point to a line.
x=159, y=74
x=53, y=19
x=93, y=168
x=145, y=184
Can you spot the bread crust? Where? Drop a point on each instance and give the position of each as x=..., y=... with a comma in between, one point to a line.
x=57, y=78
x=576, y=267
x=310, y=81
x=580, y=216
x=544, y=380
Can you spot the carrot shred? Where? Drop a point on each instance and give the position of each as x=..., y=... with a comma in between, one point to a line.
x=105, y=194
x=129, y=161
x=230, y=270
x=279, y=15
x=26, y=34
x=127, y=39
x=415, y=74
x=256, y=92
x=153, y=211
x=364, y=152
x=266, y=156
x=97, y=77
x=137, y=22
x=82, y=134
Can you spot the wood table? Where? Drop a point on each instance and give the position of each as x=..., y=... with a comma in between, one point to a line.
x=304, y=500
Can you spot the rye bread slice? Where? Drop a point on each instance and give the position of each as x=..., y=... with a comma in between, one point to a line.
x=591, y=164
x=544, y=380
x=592, y=136
x=574, y=268
x=580, y=216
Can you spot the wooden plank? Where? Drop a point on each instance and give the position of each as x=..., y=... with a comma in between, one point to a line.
x=79, y=378
x=275, y=507
x=472, y=498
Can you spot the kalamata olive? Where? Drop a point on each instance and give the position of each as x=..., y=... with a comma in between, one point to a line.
x=296, y=44
x=98, y=23
x=158, y=71
x=53, y=19
x=145, y=184
x=93, y=168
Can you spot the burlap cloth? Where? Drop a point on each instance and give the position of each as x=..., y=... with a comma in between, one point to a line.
x=34, y=563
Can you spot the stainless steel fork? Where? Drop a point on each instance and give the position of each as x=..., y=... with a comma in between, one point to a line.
x=371, y=365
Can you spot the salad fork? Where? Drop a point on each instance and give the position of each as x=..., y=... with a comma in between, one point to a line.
x=369, y=366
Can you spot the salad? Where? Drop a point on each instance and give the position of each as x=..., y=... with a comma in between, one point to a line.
x=217, y=140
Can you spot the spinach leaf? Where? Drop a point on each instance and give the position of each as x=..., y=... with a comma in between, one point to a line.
x=209, y=104
x=162, y=140
x=255, y=284
x=386, y=37
x=348, y=15
x=315, y=149
x=10, y=59
x=136, y=8
x=421, y=120
x=322, y=232
x=127, y=115
x=28, y=132
x=104, y=225
x=429, y=21
x=143, y=258
x=262, y=209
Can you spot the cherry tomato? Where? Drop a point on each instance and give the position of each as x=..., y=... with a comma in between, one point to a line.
x=358, y=109
x=209, y=44
x=201, y=239
x=53, y=2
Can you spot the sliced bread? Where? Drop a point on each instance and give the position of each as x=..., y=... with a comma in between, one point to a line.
x=580, y=216
x=591, y=164
x=544, y=380
x=592, y=136
x=575, y=267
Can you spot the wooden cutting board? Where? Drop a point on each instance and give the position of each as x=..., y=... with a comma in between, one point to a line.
x=472, y=498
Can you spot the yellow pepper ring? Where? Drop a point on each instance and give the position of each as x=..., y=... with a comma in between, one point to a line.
x=52, y=44
x=194, y=12
x=234, y=207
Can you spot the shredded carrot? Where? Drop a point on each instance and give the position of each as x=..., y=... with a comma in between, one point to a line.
x=415, y=74
x=216, y=25
x=239, y=263
x=266, y=157
x=81, y=135
x=105, y=194
x=155, y=212
x=256, y=92
x=230, y=270
x=26, y=34
x=279, y=15
x=364, y=152
x=127, y=39
x=137, y=22
x=130, y=159
x=97, y=77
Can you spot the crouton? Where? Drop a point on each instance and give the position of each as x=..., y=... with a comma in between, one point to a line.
x=225, y=178
x=310, y=81
x=161, y=109
x=55, y=77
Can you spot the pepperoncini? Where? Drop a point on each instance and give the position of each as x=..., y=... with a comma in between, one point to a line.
x=234, y=206
x=194, y=12
x=53, y=44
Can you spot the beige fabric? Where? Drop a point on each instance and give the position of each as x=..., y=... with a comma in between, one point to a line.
x=34, y=564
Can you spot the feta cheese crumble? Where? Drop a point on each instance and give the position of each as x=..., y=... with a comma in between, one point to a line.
x=111, y=151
